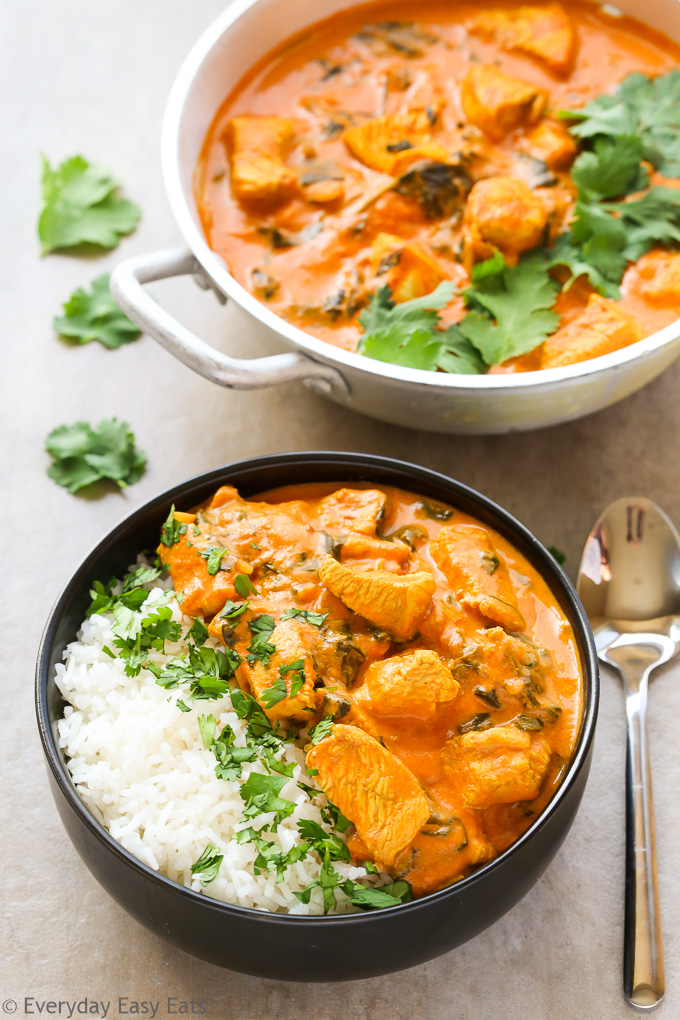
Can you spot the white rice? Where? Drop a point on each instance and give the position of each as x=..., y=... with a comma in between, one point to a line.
x=142, y=769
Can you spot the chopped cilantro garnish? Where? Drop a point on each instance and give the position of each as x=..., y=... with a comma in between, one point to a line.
x=208, y=864
x=134, y=641
x=261, y=794
x=172, y=529
x=335, y=817
x=249, y=709
x=182, y=706
x=198, y=632
x=321, y=729
x=83, y=454
x=324, y=842
x=261, y=628
x=316, y=619
x=232, y=610
x=244, y=586
x=81, y=205
x=214, y=557
x=141, y=575
x=205, y=670
x=279, y=689
x=95, y=316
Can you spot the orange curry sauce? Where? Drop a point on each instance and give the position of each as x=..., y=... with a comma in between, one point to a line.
x=311, y=253
x=449, y=669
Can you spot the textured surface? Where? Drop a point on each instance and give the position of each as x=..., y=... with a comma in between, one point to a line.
x=92, y=78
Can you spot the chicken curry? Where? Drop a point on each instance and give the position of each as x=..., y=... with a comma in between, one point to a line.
x=486, y=188
x=432, y=667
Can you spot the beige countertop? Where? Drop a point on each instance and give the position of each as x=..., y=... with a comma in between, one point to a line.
x=92, y=78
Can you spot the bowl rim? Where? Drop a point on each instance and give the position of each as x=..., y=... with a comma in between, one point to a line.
x=528, y=545
x=216, y=267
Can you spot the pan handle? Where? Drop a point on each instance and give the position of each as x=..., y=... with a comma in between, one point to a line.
x=127, y=287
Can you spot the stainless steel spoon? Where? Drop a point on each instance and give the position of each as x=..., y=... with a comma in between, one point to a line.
x=629, y=583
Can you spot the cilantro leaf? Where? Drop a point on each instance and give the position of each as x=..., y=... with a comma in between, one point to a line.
x=376, y=899
x=279, y=690
x=323, y=842
x=140, y=575
x=406, y=334
x=418, y=313
x=248, y=708
x=316, y=619
x=95, y=316
x=613, y=168
x=261, y=794
x=511, y=308
x=244, y=586
x=646, y=107
x=334, y=816
x=198, y=632
x=81, y=205
x=172, y=529
x=321, y=729
x=260, y=648
x=652, y=219
x=214, y=557
x=232, y=610
x=418, y=348
x=208, y=864
x=83, y=454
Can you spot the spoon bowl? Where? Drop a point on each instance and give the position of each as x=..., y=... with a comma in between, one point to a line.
x=629, y=584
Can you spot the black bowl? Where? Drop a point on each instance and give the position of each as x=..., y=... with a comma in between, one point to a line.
x=281, y=946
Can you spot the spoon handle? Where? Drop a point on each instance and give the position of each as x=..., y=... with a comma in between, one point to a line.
x=643, y=970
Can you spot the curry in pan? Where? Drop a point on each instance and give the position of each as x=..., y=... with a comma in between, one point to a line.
x=512, y=169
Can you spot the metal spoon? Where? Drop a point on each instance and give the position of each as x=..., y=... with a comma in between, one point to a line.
x=629, y=583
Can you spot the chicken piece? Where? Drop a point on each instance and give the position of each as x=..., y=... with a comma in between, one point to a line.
x=257, y=148
x=411, y=684
x=290, y=640
x=500, y=765
x=203, y=593
x=551, y=142
x=659, y=273
x=478, y=576
x=380, y=141
x=395, y=603
x=353, y=510
x=364, y=547
x=497, y=103
x=503, y=213
x=405, y=267
x=510, y=661
x=601, y=328
x=543, y=31
x=372, y=788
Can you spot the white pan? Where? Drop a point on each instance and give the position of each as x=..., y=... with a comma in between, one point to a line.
x=245, y=32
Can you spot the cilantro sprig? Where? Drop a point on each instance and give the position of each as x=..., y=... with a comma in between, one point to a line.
x=639, y=124
x=84, y=454
x=94, y=315
x=407, y=333
x=81, y=206
x=647, y=108
x=510, y=308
